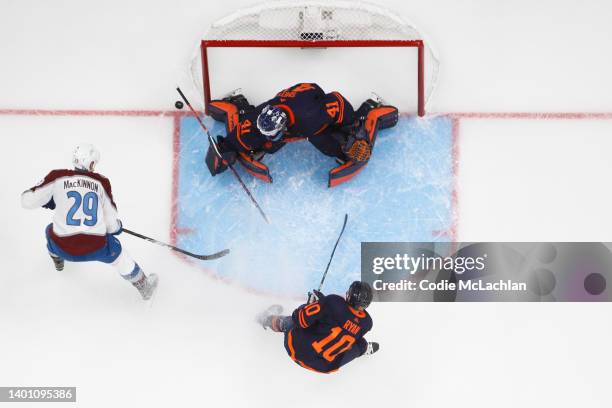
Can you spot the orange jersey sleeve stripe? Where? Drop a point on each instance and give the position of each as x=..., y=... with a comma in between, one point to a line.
x=341, y=104
x=302, y=320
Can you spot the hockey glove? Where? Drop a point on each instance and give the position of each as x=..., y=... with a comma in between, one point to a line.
x=358, y=147
x=50, y=205
x=314, y=296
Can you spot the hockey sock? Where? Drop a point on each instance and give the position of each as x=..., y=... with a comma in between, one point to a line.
x=137, y=275
x=127, y=268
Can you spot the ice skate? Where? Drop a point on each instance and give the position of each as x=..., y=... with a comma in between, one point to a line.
x=378, y=99
x=365, y=108
x=58, y=262
x=231, y=94
x=265, y=318
x=146, y=286
x=372, y=348
x=236, y=98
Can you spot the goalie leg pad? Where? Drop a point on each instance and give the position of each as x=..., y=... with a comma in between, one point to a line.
x=241, y=102
x=366, y=107
x=382, y=118
x=344, y=172
x=255, y=168
x=225, y=112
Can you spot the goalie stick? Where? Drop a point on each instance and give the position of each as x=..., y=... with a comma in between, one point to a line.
x=310, y=294
x=216, y=149
x=210, y=257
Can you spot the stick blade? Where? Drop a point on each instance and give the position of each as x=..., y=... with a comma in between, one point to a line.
x=210, y=257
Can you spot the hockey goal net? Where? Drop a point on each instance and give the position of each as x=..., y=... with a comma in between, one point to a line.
x=352, y=47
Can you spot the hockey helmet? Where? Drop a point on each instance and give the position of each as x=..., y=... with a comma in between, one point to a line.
x=271, y=122
x=359, y=294
x=85, y=157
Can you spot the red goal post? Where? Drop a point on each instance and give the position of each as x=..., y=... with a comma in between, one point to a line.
x=319, y=25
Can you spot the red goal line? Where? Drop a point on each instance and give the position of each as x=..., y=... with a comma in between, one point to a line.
x=173, y=113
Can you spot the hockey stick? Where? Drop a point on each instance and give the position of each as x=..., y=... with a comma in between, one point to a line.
x=310, y=295
x=210, y=257
x=216, y=148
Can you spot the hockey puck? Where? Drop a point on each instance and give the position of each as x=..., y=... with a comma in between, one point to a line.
x=178, y=105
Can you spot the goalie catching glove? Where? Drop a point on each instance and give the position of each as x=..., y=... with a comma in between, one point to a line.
x=358, y=148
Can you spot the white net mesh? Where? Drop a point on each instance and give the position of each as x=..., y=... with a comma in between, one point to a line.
x=312, y=20
x=316, y=21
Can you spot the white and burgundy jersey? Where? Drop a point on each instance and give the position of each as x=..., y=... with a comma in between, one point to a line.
x=84, y=208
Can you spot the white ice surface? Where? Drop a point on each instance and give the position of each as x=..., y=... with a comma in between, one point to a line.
x=196, y=345
x=557, y=188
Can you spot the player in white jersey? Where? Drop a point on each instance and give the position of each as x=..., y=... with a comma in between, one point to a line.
x=85, y=221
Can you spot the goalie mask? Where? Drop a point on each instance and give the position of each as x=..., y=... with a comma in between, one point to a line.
x=271, y=122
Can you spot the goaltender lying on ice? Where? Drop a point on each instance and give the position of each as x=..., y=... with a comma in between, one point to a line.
x=301, y=112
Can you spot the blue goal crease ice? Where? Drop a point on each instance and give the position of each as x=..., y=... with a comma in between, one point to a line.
x=403, y=194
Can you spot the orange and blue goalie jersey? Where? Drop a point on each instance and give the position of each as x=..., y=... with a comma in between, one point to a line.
x=327, y=334
x=310, y=113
